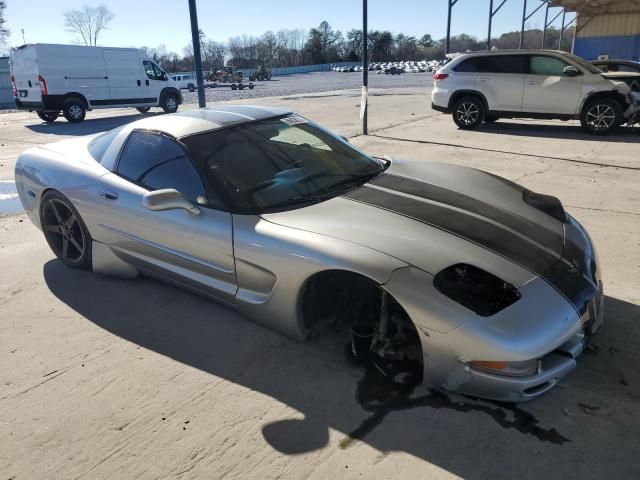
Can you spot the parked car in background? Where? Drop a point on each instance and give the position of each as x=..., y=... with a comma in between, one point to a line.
x=393, y=70
x=485, y=86
x=185, y=81
x=73, y=79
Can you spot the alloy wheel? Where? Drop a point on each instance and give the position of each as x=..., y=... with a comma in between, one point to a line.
x=63, y=231
x=467, y=113
x=600, y=117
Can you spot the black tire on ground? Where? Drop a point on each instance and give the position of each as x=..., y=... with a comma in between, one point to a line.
x=241, y=86
x=170, y=103
x=491, y=119
x=250, y=87
x=468, y=112
x=64, y=230
x=191, y=87
x=233, y=86
x=143, y=110
x=48, y=117
x=74, y=110
x=601, y=115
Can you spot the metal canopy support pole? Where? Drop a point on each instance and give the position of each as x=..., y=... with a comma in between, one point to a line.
x=524, y=14
x=450, y=4
x=526, y=17
x=365, y=69
x=195, y=38
x=564, y=13
x=492, y=14
x=544, y=29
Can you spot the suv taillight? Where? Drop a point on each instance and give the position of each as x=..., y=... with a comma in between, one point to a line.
x=440, y=76
x=13, y=86
x=43, y=85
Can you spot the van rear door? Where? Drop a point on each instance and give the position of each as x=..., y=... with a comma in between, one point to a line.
x=126, y=77
x=24, y=69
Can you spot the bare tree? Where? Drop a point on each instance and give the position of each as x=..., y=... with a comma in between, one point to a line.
x=4, y=33
x=88, y=22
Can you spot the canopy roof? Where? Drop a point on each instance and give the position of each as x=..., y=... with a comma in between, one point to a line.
x=597, y=7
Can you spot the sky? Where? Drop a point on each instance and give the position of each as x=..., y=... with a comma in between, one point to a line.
x=151, y=23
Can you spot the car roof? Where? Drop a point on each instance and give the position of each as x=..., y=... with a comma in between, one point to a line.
x=511, y=52
x=190, y=122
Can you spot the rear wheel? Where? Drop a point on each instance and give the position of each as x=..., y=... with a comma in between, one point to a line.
x=74, y=110
x=48, y=117
x=600, y=116
x=143, y=110
x=170, y=103
x=468, y=112
x=65, y=231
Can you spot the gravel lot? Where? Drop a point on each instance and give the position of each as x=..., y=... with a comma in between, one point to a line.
x=312, y=83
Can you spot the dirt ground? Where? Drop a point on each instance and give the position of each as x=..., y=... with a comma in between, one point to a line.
x=102, y=378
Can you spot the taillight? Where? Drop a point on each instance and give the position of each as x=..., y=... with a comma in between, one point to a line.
x=440, y=76
x=13, y=86
x=43, y=85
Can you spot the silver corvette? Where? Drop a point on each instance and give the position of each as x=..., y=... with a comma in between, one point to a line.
x=464, y=280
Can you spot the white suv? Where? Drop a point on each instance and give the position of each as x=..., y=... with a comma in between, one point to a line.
x=486, y=86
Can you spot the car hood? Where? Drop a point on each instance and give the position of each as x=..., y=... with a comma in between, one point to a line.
x=433, y=215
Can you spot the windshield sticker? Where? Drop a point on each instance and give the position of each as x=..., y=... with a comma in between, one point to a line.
x=294, y=120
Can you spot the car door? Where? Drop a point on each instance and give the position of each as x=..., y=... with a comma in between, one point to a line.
x=156, y=79
x=502, y=82
x=548, y=90
x=192, y=250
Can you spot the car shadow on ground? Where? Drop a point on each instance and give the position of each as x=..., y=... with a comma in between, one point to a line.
x=88, y=126
x=564, y=131
x=318, y=380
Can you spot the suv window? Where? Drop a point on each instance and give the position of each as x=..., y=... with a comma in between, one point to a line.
x=545, y=65
x=627, y=68
x=153, y=71
x=470, y=65
x=504, y=64
x=155, y=161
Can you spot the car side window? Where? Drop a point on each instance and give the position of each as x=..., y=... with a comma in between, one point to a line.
x=504, y=64
x=155, y=161
x=603, y=66
x=546, y=65
x=470, y=65
x=627, y=68
x=153, y=71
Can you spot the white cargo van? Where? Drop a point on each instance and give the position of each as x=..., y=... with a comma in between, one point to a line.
x=72, y=79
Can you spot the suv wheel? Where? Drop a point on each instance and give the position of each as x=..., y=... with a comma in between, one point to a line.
x=601, y=115
x=468, y=112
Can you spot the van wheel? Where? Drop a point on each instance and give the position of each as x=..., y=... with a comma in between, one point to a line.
x=143, y=110
x=601, y=115
x=170, y=103
x=233, y=86
x=48, y=117
x=191, y=87
x=468, y=113
x=74, y=111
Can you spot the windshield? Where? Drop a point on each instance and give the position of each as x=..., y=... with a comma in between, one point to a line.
x=583, y=63
x=280, y=163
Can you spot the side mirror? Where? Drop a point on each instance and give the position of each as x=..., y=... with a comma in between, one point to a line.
x=168, y=199
x=571, y=71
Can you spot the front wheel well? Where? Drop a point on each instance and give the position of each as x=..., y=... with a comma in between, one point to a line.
x=77, y=96
x=353, y=301
x=618, y=97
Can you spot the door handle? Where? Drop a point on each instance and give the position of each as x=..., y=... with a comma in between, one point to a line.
x=108, y=194
x=483, y=79
x=139, y=82
x=532, y=82
x=146, y=82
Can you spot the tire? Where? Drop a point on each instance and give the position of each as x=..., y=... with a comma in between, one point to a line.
x=170, y=103
x=74, y=110
x=601, y=115
x=65, y=231
x=250, y=87
x=191, y=87
x=468, y=112
x=491, y=119
x=48, y=117
x=233, y=86
x=241, y=86
x=143, y=110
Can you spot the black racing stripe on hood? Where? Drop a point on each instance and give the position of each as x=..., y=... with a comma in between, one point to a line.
x=477, y=230
x=532, y=230
x=567, y=277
